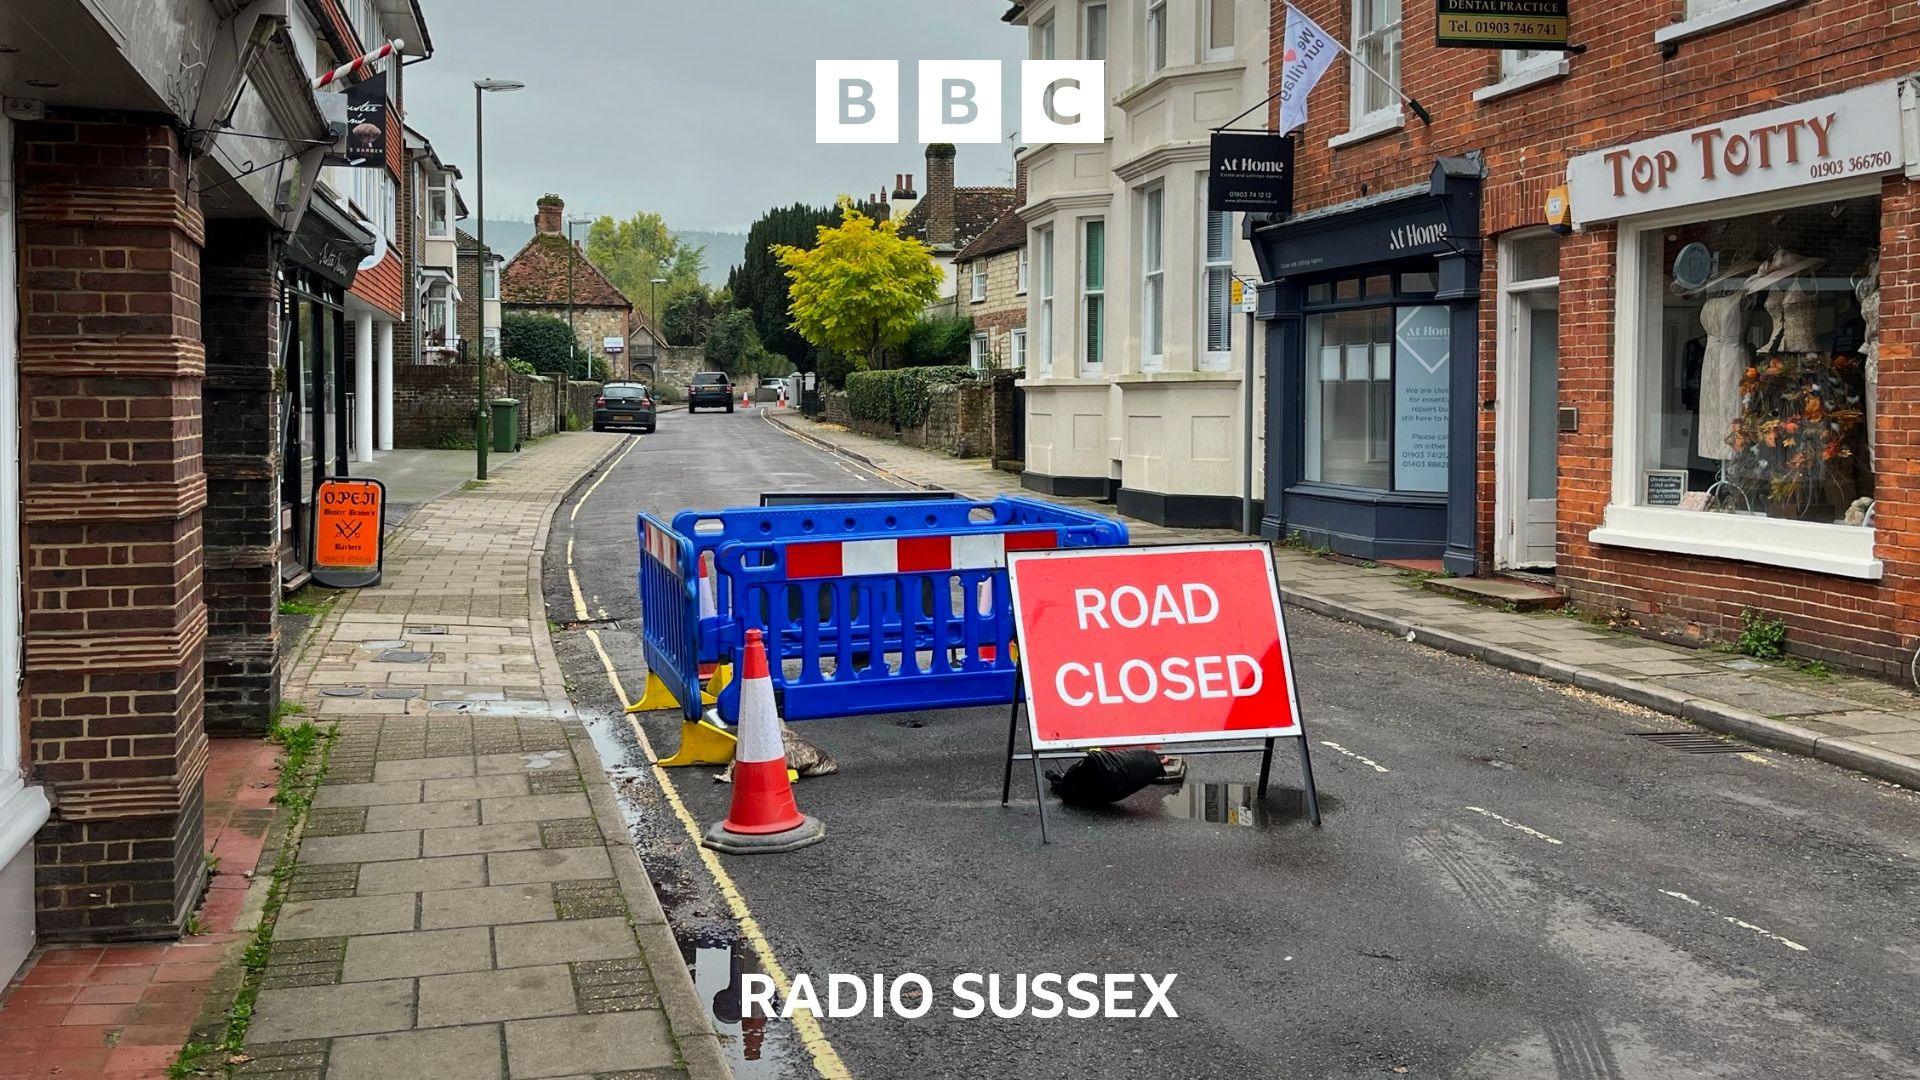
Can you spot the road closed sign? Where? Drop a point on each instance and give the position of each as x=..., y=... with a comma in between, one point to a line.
x=348, y=520
x=1152, y=645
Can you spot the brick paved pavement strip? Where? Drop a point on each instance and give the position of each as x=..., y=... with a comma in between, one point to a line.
x=1550, y=646
x=487, y=897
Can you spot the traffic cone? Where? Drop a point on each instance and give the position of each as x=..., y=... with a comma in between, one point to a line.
x=746, y=400
x=764, y=817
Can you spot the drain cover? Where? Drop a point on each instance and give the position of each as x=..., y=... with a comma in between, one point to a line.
x=403, y=656
x=1689, y=742
x=426, y=629
x=396, y=694
x=343, y=691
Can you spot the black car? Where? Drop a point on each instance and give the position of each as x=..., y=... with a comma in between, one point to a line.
x=710, y=388
x=624, y=405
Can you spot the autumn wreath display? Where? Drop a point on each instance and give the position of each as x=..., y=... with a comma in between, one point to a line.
x=1800, y=445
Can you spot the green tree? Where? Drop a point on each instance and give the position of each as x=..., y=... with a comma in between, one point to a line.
x=634, y=252
x=938, y=340
x=733, y=342
x=688, y=317
x=759, y=283
x=545, y=342
x=861, y=287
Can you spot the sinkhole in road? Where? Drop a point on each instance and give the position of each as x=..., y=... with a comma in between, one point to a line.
x=1238, y=805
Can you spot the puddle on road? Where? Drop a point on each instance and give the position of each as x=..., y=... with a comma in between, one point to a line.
x=1239, y=805
x=718, y=968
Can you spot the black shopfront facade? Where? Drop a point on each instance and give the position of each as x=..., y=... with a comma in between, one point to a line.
x=1372, y=313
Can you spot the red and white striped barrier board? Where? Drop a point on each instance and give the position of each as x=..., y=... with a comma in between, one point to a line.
x=914, y=554
x=661, y=545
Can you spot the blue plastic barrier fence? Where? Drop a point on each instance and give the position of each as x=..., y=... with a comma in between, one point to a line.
x=669, y=605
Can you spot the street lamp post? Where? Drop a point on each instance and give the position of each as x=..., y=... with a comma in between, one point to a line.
x=481, y=88
x=658, y=326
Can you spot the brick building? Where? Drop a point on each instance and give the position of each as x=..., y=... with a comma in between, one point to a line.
x=948, y=218
x=156, y=309
x=992, y=272
x=552, y=276
x=1690, y=406
x=479, y=321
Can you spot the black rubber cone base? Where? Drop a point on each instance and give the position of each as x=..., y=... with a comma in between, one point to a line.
x=809, y=831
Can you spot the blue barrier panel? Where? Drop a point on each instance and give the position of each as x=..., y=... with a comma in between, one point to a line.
x=857, y=625
x=709, y=530
x=669, y=611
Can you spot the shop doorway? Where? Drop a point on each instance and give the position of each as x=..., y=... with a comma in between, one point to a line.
x=1527, y=416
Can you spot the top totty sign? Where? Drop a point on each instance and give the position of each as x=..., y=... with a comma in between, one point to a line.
x=1856, y=133
x=1125, y=646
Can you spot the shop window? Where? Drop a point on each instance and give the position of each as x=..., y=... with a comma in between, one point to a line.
x=1018, y=349
x=1219, y=29
x=1093, y=32
x=1423, y=281
x=1218, y=354
x=1156, y=35
x=1375, y=286
x=1321, y=293
x=1044, y=238
x=1349, y=398
x=1093, y=294
x=1758, y=358
x=978, y=281
x=1376, y=41
x=1153, y=279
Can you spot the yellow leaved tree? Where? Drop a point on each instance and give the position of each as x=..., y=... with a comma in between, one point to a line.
x=861, y=287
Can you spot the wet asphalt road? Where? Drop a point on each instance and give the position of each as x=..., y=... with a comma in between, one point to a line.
x=1508, y=883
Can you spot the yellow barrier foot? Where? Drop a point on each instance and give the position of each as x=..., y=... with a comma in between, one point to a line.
x=656, y=698
x=702, y=743
x=722, y=675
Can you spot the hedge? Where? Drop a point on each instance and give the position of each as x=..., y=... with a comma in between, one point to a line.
x=900, y=396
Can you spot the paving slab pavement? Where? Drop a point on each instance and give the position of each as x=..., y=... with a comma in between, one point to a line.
x=467, y=903
x=1855, y=722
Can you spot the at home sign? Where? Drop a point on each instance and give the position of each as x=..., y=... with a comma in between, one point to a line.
x=1852, y=134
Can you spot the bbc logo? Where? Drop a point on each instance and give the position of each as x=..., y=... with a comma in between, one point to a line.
x=1061, y=101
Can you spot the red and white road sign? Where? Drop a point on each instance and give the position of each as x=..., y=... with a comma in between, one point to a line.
x=1152, y=645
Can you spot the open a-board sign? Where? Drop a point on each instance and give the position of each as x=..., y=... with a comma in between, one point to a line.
x=349, y=523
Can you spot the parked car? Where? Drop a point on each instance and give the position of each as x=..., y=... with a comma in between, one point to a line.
x=709, y=388
x=624, y=405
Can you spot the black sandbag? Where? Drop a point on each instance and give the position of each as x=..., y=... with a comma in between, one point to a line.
x=1105, y=776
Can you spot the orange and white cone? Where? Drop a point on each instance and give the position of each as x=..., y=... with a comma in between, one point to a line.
x=746, y=400
x=764, y=817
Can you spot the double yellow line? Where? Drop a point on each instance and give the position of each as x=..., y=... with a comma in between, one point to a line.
x=826, y=1061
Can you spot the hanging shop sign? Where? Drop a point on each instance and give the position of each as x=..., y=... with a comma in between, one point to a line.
x=369, y=126
x=1501, y=24
x=1405, y=228
x=1832, y=138
x=1250, y=173
x=1422, y=348
x=349, y=529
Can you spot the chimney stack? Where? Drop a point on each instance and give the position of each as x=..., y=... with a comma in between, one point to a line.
x=904, y=197
x=940, y=210
x=550, y=215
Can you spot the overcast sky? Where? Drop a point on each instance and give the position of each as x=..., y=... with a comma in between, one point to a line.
x=699, y=110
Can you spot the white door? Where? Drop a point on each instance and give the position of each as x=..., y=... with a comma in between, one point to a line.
x=1534, y=472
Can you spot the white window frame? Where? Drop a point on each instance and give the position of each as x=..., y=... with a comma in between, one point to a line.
x=1706, y=16
x=1209, y=12
x=440, y=295
x=1089, y=295
x=1153, y=36
x=1521, y=68
x=1841, y=550
x=1385, y=116
x=490, y=340
x=1017, y=348
x=1045, y=43
x=440, y=198
x=1021, y=270
x=1153, y=277
x=490, y=279
x=980, y=350
x=1044, y=311
x=977, y=281
x=1216, y=266
x=1087, y=50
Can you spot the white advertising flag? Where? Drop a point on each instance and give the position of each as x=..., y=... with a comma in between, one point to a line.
x=1308, y=53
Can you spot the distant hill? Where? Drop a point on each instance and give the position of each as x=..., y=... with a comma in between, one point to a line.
x=724, y=250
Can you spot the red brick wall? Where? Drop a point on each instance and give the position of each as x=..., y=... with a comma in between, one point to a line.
x=1623, y=89
x=111, y=368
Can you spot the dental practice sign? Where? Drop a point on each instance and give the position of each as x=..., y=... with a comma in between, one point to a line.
x=1124, y=646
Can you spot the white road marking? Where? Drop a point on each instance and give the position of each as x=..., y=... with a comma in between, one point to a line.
x=1361, y=758
x=1512, y=824
x=1741, y=923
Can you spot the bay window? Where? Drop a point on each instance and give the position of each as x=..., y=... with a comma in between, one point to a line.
x=1044, y=237
x=1217, y=287
x=1156, y=35
x=1153, y=279
x=1043, y=43
x=1218, y=32
x=1093, y=32
x=1020, y=272
x=1093, y=295
x=440, y=206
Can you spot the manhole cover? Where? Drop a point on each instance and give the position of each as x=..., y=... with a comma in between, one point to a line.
x=426, y=629
x=397, y=694
x=403, y=656
x=1689, y=742
x=343, y=691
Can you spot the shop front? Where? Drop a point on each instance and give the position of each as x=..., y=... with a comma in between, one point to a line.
x=1753, y=429
x=1372, y=314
